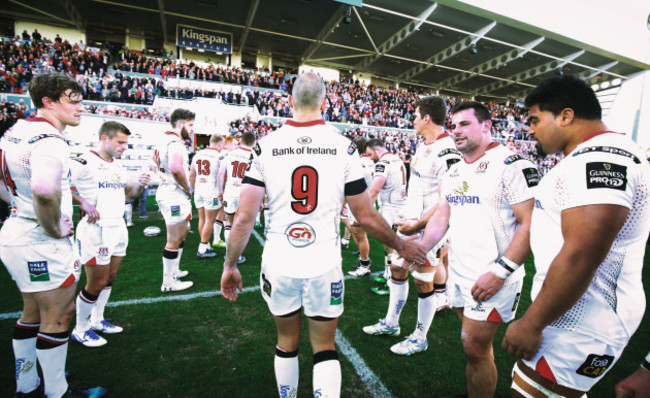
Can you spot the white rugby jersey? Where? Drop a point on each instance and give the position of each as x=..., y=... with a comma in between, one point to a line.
x=393, y=193
x=480, y=196
x=170, y=143
x=31, y=138
x=236, y=163
x=206, y=162
x=307, y=169
x=368, y=169
x=605, y=169
x=430, y=162
x=102, y=184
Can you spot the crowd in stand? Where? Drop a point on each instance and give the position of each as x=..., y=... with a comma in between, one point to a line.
x=348, y=101
x=133, y=61
x=120, y=88
x=133, y=113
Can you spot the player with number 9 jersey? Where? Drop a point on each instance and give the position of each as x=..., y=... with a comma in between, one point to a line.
x=305, y=168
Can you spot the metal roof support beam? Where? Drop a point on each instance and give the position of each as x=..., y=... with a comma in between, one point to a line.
x=74, y=14
x=493, y=63
x=397, y=38
x=589, y=74
x=249, y=20
x=163, y=20
x=363, y=25
x=448, y=52
x=329, y=27
x=529, y=74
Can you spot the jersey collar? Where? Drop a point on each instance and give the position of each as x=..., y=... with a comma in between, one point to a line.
x=597, y=133
x=40, y=119
x=310, y=123
x=99, y=156
x=492, y=145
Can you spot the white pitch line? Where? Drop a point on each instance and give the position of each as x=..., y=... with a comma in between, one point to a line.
x=373, y=384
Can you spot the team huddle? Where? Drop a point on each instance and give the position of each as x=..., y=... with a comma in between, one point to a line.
x=477, y=211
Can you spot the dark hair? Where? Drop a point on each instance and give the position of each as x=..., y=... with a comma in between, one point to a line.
x=557, y=93
x=361, y=144
x=181, y=114
x=248, y=139
x=375, y=143
x=434, y=107
x=480, y=111
x=111, y=128
x=52, y=86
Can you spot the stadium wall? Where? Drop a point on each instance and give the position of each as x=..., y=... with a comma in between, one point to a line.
x=50, y=32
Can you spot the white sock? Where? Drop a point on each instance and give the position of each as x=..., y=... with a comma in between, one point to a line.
x=226, y=233
x=128, y=212
x=327, y=375
x=85, y=303
x=52, y=350
x=203, y=247
x=24, y=345
x=426, y=312
x=399, y=291
x=98, y=310
x=286, y=372
x=177, y=264
x=170, y=257
x=265, y=213
x=218, y=226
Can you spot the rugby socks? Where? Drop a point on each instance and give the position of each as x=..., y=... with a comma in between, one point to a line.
x=218, y=226
x=52, y=350
x=203, y=247
x=387, y=264
x=24, y=344
x=85, y=303
x=399, y=291
x=170, y=261
x=98, y=310
x=439, y=288
x=364, y=263
x=286, y=372
x=178, y=260
x=426, y=312
x=128, y=212
x=327, y=374
x=226, y=232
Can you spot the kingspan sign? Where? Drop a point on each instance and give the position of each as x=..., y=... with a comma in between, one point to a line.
x=203, y=39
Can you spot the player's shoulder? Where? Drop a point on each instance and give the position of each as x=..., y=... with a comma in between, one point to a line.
x=609, y=147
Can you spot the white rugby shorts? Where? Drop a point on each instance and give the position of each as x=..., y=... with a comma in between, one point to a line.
x=501, y=307
x=96, y=245
x=231, y=202
x=319, y=296
x=173, y=204
x=38, y=266
x=572, y=359
x=207, y=200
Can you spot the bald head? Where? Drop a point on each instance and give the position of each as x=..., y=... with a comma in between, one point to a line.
x=308, y=92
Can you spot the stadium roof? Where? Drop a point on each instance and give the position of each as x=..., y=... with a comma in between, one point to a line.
x=447, y=45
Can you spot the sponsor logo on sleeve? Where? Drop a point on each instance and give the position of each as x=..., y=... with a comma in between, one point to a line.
x=257, y=149
x=609, y=149
x=512, y=159
x=532, y=176
x=352, y=148
x=80, y=160
x=266, y=285
x=38, y=271
x=451, y=162
x=595, y=365
x=449, y=151
x=300, y=234
x=606, y=175
x=336, y=297
x=380, y=168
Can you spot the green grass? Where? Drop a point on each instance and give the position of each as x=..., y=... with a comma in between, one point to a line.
x=209, y=347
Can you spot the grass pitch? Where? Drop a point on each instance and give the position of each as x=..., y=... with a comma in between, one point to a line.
x=205, y=346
